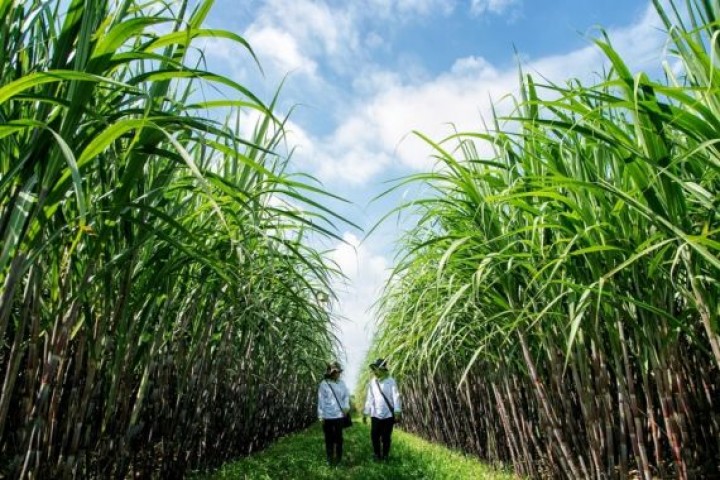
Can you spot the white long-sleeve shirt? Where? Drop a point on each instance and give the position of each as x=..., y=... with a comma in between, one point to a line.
x=327, y=405
x=375, y=405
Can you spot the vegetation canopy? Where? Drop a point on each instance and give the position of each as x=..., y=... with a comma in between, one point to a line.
x=160, y=279
x=556, y=306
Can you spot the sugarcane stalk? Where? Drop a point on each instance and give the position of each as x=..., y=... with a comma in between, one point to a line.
x=553, y=424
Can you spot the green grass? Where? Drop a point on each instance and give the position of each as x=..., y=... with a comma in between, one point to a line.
x=303, y=456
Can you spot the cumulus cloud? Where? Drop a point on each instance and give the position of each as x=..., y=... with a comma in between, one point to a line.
x=375, y=132
x=380, y=108
x=295, y=33
x=280, y=48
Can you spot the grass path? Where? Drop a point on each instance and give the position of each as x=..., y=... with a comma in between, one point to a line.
x=302, y=456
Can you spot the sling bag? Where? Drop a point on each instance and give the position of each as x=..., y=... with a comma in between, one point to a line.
x=387, y=402
x=347, y=420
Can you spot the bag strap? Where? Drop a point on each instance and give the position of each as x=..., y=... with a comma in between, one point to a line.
x=334, y=394
x=391, y=407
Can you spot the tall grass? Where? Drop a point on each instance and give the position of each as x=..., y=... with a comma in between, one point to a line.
x=556, y=306
x=159, y=306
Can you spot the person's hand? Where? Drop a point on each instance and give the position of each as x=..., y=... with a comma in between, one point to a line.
x=322, y=420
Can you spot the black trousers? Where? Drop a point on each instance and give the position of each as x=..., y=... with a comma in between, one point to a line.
x=332, y=428
x=381, y=436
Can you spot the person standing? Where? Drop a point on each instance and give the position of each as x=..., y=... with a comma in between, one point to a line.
x=383, y=406
x=333, y=405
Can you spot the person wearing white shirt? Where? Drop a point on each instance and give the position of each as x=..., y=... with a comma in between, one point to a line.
x=383, y=406
x=333, y=405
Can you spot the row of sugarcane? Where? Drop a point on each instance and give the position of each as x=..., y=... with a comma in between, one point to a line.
x=163, y=303
x=556, y=307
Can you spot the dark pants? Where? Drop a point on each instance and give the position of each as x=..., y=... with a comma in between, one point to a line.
x=381, y=436
x=333, y=439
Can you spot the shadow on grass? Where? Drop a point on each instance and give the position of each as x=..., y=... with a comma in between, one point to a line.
x=302, y=456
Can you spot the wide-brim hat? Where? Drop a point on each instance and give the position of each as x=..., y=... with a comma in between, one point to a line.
x=379, y=364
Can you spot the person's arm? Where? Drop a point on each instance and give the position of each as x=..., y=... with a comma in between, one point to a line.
x=397, y=404
x=368, y=402
x=320, y=403
x=345, y=398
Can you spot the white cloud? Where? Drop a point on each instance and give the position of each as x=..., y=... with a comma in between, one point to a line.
x=400, y=9
x=281, y=48
x=346, y=155
x=298, y=35
x=376, y=131
x=298, y=32
x=366, y=272
x=374, y=40
x=480, y=7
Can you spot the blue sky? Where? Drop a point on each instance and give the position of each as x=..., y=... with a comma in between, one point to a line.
x=363, y=74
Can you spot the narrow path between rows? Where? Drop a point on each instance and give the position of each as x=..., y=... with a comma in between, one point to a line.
x=302, y=456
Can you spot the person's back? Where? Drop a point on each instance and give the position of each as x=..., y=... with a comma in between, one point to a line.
x=383, y=406
x=333, y=405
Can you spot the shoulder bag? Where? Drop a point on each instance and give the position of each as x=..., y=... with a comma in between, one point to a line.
x=347, y=419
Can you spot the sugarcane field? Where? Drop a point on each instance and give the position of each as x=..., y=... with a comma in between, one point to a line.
x=360, y=239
